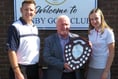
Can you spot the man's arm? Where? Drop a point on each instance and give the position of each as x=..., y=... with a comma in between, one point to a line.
x=14, y=64
x=12, y=46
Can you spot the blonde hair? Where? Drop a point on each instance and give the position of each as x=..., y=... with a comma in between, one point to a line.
x=103, y=22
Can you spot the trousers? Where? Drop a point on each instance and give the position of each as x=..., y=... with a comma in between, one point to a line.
x=29, y=71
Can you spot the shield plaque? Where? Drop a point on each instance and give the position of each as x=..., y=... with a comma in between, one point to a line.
x=77, y=52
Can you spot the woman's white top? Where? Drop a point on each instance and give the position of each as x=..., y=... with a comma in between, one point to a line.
x=100, y=50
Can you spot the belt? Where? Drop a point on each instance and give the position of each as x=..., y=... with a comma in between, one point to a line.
x=65, y=72
x=30, y=65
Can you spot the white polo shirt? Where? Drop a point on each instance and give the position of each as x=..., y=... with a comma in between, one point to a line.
x=24, y=39
x=100, y=51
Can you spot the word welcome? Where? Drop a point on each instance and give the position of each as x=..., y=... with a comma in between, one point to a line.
x=51, y=10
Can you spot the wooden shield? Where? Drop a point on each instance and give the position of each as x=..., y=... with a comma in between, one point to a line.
x=77, y=52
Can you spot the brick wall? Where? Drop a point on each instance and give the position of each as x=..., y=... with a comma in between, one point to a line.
x=109, y=8
x=6, y=17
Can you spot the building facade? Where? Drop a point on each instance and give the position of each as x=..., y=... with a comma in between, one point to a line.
x=109, y=8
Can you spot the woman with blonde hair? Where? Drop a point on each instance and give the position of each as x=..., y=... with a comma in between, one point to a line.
x=102, y=40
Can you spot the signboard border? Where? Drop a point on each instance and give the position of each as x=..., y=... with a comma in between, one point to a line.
x=51, y=28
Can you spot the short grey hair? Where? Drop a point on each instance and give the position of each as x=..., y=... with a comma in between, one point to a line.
x=63, y=16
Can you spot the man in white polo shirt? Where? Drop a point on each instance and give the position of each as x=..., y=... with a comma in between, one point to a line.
x=23, y=44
